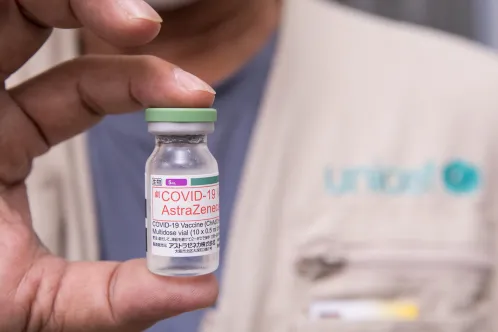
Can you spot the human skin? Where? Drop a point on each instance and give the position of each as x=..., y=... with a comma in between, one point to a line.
x=39, y=291
x=209, y=38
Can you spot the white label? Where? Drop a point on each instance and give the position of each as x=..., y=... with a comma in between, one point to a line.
x=364, y=310
x=185, y=213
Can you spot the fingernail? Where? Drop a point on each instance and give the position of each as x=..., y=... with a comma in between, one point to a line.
x=190, y=82
x=139, y=9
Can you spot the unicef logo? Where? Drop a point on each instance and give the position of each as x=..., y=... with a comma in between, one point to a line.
x=461, y=177
x=456, y=177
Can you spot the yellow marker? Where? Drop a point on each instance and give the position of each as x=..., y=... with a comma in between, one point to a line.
x=402, y=310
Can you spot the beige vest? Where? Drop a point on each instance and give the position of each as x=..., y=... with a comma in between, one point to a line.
x=369, y=197
x=367, y=200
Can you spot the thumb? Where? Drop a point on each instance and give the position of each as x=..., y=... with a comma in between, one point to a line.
x=127, y=297
x=137, y=294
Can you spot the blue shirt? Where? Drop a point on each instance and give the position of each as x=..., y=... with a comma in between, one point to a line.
x=120, y=146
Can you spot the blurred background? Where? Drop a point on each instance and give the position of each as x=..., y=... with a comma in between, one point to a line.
x=74, y=234
x=473, y=19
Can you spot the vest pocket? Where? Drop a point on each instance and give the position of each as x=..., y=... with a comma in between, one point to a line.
x=346, y=286
x=446, y=291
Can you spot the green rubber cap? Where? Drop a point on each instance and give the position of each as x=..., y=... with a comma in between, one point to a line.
x=180, y=115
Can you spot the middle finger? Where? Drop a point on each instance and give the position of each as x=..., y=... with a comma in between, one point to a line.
x=117, y=21
x=25, y=24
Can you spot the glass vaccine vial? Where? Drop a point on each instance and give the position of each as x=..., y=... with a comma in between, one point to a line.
x=182, y=193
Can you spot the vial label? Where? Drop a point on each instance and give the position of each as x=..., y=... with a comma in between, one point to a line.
x=185, y=213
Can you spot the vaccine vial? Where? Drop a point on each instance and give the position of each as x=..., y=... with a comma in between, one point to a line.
x=182, y=193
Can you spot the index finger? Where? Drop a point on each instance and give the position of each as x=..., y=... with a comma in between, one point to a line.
x=70, y=98
x=120, y=22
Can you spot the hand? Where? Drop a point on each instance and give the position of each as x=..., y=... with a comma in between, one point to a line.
x=38, y=291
